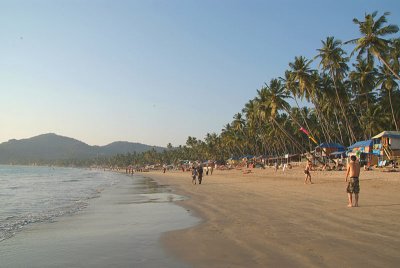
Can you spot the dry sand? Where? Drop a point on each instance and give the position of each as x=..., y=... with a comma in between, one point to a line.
x=272, y=219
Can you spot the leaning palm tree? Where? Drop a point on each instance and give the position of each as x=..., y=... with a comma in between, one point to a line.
x=292, y=88
x=333, y=60
x=363, y=84
x=302, y=76
x=371, y=41
x=387, y=83
x=307, y=81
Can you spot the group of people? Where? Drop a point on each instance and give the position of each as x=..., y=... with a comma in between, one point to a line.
x=352, y=179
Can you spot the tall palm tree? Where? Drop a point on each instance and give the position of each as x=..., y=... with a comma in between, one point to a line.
x=371, y=41
x=276, y=95
x=292, y=87
x=307, y=81
x=301, y=73
x=329, y=108
x=363, y=82
x=250, y=111
x=301, y=76
x=333, y=60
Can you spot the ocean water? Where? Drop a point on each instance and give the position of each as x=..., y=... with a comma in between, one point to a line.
x=66, y=217
x=41, y=194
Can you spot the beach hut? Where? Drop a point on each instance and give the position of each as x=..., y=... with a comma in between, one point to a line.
x=234, y=160
x=326, y=148
x=363, y=150
x=387, y=145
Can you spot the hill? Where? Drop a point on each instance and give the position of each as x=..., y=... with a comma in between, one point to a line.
x=52, y=147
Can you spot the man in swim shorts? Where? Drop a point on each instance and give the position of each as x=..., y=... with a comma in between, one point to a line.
x=307, y=172
x=353, y=186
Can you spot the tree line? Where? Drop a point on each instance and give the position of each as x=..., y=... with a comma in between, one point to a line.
x=351, y=97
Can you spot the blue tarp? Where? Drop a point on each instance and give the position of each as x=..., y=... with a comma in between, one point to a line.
x=339, y=147
x=367, y=143
x=338, y=154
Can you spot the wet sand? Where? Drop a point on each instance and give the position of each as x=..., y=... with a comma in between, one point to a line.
x=121, y=228
x=272, y=219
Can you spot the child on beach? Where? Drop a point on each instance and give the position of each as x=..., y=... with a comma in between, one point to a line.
x=307, y=172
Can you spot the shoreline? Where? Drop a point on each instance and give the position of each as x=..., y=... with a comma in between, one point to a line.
x=121, y=228
x=268, y=218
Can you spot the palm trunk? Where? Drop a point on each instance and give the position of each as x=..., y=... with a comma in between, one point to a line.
x=387, y=65
x=339, y=128
x=319, y=116
x=301, y=113
x=391, y=107
x=351, y=133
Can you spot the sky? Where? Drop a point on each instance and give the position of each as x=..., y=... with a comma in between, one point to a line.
x=153, y=71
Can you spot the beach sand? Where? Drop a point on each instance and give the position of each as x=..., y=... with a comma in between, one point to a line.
x=272, y=219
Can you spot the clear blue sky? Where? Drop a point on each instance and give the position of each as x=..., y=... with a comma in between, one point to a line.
x=153, y=71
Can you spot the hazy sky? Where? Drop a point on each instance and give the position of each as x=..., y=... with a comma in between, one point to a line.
x=153, y=71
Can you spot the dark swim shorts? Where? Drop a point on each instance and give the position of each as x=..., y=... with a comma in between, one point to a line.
x=353, y=186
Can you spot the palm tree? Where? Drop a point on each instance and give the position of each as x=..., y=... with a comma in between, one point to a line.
x=334, y=61
x=250, y=111
x=276, y=95
x=375, y=119
x=371, y=41
x=301, y=73
x=389, y=84
x=307, y=81
x=292, y=88
x=329, y=109
x=363, y=84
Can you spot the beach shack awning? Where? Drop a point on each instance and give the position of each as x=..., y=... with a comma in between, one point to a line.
x=332, y=145
x=390, y=134
x=367, y=143
x=338, y=155
x=248, y=156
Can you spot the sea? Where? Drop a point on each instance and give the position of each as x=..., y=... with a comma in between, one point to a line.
x=31, y=194
x=34, y=198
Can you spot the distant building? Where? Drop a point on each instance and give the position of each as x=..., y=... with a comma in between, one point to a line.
x=363, y=150
x=325, y=149
x=387, y=145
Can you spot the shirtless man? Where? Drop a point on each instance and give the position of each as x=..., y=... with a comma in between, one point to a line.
x=307, y=172
x=353, y=186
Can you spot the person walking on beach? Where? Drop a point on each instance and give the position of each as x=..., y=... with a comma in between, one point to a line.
x=200, y=172
x=212, y=168
x=307, y=172
x=353, y=186
x=194, y=175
